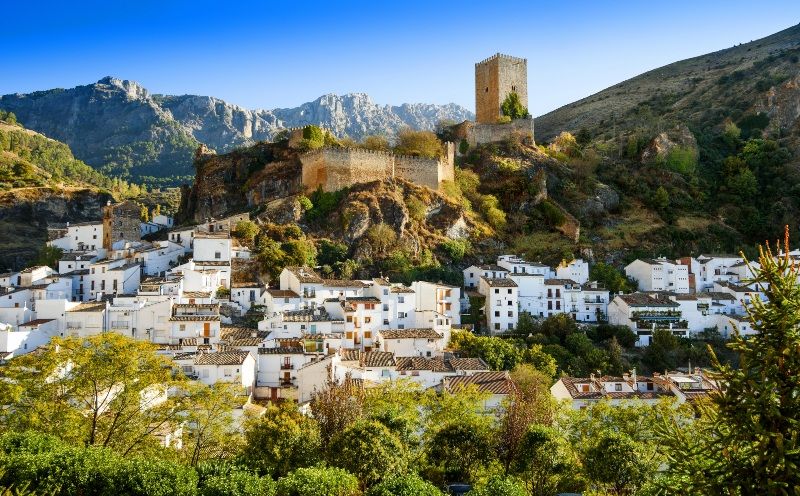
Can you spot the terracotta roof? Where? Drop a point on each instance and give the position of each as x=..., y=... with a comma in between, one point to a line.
x=36, y=322
x=468, y=364
x=250, y=284
x=559, y=282
x=197, y=294
x=491, y=382
x=90, y=306
x=194, y=318
x=281, y=350
x=401, y=289
x=377, y=359
x=222, y=358
x=307, y=315
x=350, y=355
x=344, y=283
x=305, y=275
x=421, y=363
x=410, y=334
x=645, y=300
x=238, y=332
x=212, y=263
x=493, y=267
x=500, y=282
x=196, y=305
x=282, y=293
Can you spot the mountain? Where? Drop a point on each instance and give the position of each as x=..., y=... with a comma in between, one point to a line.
x=759, y=76
x=120, y=128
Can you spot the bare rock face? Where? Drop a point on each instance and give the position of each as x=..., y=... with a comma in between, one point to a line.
x=660, y=147
x=596, y=207
x=782, y=104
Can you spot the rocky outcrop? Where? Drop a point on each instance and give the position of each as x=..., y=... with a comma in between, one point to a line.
x=662, y=145
x=26, y=213
x=119, y=125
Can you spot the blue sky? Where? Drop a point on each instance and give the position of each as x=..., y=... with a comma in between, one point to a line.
x=266, y=55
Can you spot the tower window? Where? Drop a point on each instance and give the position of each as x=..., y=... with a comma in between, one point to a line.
x=513, y=88
x=486, y=90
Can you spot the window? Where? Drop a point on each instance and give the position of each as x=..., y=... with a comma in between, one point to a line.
x=217, y=254
x=509, y=291
x=558, y=305
x=549, y=293
x=313, y=328
x=497, y=325
x=385, y=307
x=385, y=291
x=227, y=372
x=510, y=302
x=649, y=386
x=349, y=335
x=367, y=320
x=497, y=313
x=401, y=299
x=510, y=313
x=182, y=327
x=584, y=388
x=617, y=387
x=368, y=334
x=350, y=318
x=496, y=291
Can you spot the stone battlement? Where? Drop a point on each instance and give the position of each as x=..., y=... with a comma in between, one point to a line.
x=335, y=168
x=501, y=56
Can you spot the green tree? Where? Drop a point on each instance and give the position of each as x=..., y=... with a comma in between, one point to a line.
x=282, y=440
x=318, y=481
x=377, y=143
x=335, y=407
x=513, y=108
x=499, y=354
x=612, y=278
x=381, y=237
x=546, y=463
x=458, y=450
x=212, y=432
x=660, y=199
x=404, y=485
x=105, y=390
x=313, y=137
x=396, y=405
x=418, y=144
x=612, y=462
x=499, y=486
x=746, y=441
x=246, y=230
x=358, y=447
x=48, y=255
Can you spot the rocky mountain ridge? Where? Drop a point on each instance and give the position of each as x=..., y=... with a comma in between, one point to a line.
x=119, y=127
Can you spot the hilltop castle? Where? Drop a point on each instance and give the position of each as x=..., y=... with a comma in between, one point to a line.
x=495, y=78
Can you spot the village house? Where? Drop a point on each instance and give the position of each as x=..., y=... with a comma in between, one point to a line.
x=659, y=274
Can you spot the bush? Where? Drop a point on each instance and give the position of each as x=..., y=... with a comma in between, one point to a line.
x=318, y=481
x=682, y=159
x=512, y=107
x=245, y=230
x=416, y=208
x=455, y=248
x=404, y=485
x=237, y=482
x=359, y=445
x=305, y=203
x=463, y=147
x=418, y=144
x=499, y=486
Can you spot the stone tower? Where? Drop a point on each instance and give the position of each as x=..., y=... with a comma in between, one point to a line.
x=495, y=78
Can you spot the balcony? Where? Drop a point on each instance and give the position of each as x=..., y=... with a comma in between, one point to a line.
x=286, y=382
x=119, y=324
x=287, y=366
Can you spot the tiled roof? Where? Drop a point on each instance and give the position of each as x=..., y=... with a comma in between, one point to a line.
x=197, y=294
x=350, y=355
x=31, y=269
x=307, y=315
x=645, y=300
x=343, y=283
x=735, y=287
x=559, y=282
x=305, y=275
x=212, y=263
x=410, y=334
x=238, y=332
x=36, y=322
x=491, y=382
x=282, y=293
x=90, y=306
x=422, y=363
x=401, y=289
x=196, y=305
x=281, y=350
x=378, y=359
x=500, y=282
x=468, y=364
x=222, y=358
x=194, y=318
x=249, y=284
x=492, y=267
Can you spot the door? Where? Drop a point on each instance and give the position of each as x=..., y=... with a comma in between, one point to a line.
x=207, y=329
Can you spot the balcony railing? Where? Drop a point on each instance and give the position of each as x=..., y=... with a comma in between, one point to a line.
x=287, y=366
x=119, y=324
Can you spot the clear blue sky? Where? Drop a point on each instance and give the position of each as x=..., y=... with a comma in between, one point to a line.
x=281, y=54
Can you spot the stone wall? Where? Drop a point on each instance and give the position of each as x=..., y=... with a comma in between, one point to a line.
x=495, y=78
x=335, y=168
x=477, y=133
x=121, y=221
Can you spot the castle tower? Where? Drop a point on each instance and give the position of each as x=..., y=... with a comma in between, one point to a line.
x=495, y=78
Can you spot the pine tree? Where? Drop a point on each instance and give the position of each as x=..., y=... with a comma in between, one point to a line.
x=747, y=441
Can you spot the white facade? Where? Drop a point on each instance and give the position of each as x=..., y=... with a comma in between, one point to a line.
x=83, y=236
x=576, y=270
x=659, y=275
x=501, y=307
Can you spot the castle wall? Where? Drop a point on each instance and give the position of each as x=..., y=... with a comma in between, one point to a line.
x=479, y=133
x=495, y=78
x=335, y=168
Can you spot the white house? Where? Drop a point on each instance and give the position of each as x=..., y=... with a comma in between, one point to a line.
x=576, y=270
x=473, y=274
x=443, y=299
x=81, y=236
x=501, y=307
x=659, y=274
x=235, y=367
x=645, y=312
x=412, y=342
x=582, y=392
x=518, y=265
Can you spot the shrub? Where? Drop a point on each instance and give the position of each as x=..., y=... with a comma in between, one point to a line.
x=499, y=486
x=318, y=481
x=418, y=143
x=682, y=159
x=512, y=107
x=245, y=230
x=404, y=485
x=377, y=143
x=381, y=237
x=359, y=445
x=463, y=147
x=305, y=203
x=455, y=248
x=416, y=208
